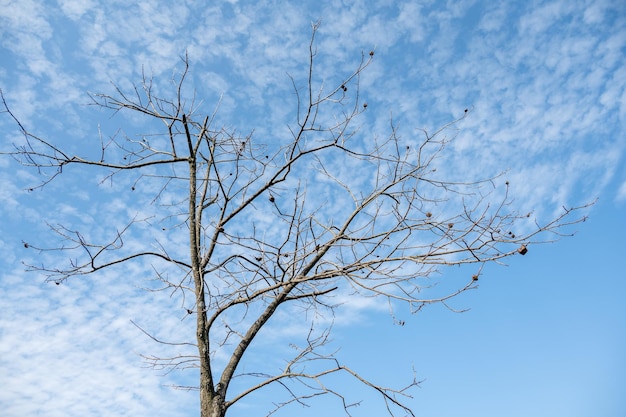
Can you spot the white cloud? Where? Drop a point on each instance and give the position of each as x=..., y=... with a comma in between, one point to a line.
x=76, y=344
x=621, y=192
x=75, y=9
x=545, y=84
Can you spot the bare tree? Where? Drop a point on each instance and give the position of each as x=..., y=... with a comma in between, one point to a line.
x=262, y=240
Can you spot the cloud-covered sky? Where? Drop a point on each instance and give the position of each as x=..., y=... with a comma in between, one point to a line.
x=545, y=82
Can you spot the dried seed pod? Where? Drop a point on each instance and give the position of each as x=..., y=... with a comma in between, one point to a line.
x=523, y=250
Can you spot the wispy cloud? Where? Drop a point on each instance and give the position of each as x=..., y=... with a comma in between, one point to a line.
x=544, y=83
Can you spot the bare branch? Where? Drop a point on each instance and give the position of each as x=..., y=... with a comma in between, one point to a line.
x=284, y=225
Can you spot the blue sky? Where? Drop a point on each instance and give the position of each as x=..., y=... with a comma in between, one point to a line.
x=545, y=80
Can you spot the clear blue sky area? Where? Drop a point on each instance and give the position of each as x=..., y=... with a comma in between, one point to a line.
x=545, y=83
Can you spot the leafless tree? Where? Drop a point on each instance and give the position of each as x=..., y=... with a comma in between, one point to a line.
x=287, y=227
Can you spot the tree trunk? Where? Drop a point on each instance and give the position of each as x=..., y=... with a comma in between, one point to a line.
x=211, y=404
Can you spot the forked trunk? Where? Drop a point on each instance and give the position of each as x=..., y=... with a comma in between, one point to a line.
x=211, y=405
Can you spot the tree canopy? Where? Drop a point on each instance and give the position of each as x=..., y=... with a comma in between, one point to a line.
x=243, y=229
